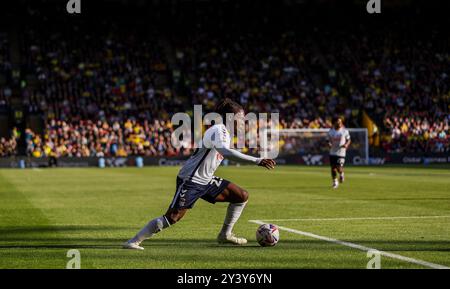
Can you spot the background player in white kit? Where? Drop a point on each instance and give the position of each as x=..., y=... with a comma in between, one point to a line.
x=196, y=180
x=339, y=141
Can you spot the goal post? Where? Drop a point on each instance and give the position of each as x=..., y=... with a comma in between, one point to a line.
x=310, y=146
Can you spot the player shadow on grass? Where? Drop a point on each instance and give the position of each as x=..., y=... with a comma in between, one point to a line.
x=401, y=199
x=47, y=237
x=67, y=246
x=115, y=243
x=56, y=229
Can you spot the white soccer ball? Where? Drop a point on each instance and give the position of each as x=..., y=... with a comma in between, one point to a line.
x=267, y=235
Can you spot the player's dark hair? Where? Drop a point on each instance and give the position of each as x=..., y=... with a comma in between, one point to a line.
x=335, y=119
x=227, y=105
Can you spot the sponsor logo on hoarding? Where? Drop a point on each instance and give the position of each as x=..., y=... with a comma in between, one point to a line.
x=412, y=160
x=377, y=161
x=435, y=160
x=171, y=162
x=315, y=160
x=358, y=160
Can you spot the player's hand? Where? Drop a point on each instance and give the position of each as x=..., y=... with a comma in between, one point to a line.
x=267, y=163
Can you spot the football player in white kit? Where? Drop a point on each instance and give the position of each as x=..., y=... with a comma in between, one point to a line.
x=339, y=141
x=196, y=180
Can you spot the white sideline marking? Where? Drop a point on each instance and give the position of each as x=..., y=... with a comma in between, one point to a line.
x=359, y=247
x=359, y=218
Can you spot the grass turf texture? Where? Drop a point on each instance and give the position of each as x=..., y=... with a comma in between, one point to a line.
x=46, y=212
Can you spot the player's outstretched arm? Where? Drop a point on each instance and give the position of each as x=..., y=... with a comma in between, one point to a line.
x=238, y=156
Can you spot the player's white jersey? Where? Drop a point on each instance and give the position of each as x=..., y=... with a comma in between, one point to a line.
x=337, y=139
x=200, y=167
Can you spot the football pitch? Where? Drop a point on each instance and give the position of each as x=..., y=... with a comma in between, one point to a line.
x=404, y=212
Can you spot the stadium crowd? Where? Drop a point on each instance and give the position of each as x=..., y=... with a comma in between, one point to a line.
x=8, y=146
x=95, y=76
x=112, y=94
x=100, y=139
x=416, y=134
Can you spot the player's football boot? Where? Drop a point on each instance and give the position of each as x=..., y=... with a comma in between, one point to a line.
x=231, y=239
x=132, y=245
x=341, y=178
x=335, y=184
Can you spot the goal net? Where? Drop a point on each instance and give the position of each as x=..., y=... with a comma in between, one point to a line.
x=310, y=146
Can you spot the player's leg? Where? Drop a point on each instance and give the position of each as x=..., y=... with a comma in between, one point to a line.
x=232, y=193
x=340, y=169
x=173, y=215
x=334, y=171
x=341, y=173
x=156, y=225
x=175, y=212
x=237, y=197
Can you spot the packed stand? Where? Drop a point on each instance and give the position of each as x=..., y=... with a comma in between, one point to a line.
x=103, y=139
x=86, y=73
x=8, y=145
x=90, y=84
x=417, y=134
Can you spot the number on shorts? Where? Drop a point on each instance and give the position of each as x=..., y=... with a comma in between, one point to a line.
x=216, y=181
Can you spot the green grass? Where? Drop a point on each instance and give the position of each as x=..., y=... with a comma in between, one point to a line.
x=44, y=213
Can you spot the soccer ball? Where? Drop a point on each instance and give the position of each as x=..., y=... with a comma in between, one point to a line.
x=267, y=235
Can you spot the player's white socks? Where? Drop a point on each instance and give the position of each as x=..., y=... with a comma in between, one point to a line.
x=335, y=183
x=234, y=211
x=153, y=227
